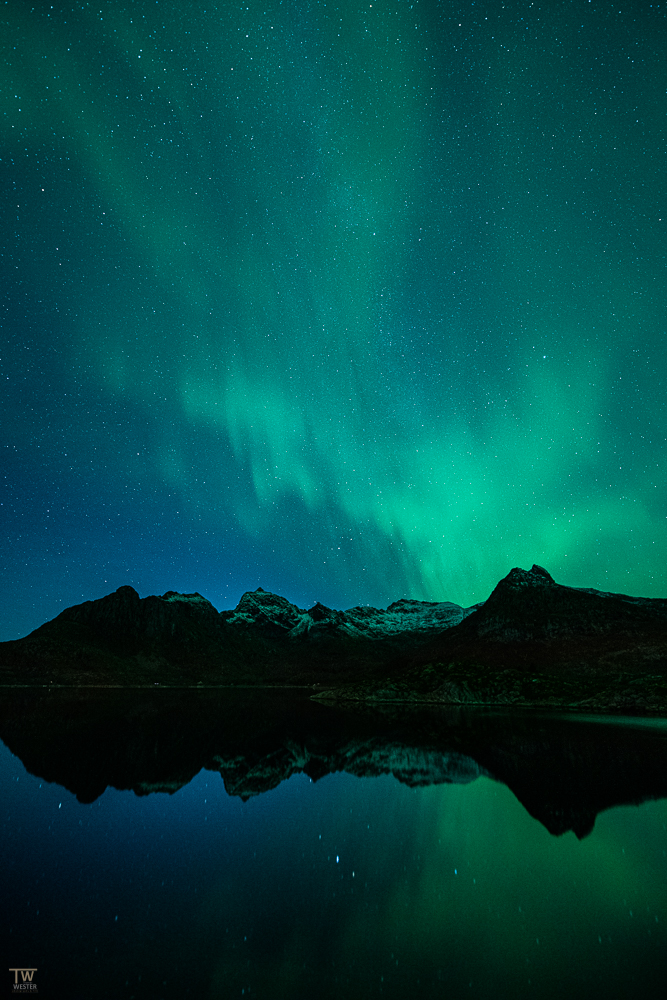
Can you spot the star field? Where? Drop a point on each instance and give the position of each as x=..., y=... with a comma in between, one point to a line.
x=351, y=301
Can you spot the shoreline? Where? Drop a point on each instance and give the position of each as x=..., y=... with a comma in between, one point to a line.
x=345, y=698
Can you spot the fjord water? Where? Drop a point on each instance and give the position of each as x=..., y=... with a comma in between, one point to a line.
x=164, y=885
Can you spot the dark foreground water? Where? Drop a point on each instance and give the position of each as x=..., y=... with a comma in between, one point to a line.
x=342, y=886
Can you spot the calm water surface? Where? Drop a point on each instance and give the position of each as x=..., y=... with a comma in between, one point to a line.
x=345, y=886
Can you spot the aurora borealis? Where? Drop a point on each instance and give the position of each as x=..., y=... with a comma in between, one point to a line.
x=350, y=301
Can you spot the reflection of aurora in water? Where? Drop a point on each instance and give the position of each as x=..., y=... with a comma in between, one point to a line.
x=342, y=887
x=353, y=303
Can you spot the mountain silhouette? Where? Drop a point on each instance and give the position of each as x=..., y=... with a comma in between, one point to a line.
x=533, y=641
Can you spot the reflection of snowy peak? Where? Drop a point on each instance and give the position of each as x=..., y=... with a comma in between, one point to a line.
x=414, y=766
x=275, y=616
x=563, y=769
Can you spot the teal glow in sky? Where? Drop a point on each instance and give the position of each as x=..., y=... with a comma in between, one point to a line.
x=350, y=301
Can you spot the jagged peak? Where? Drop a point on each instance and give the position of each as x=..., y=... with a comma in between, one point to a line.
x=319, y=611
x=124, y=599
x=263, y=599
x=541, y=571
x=196, y=598
x=535, y=576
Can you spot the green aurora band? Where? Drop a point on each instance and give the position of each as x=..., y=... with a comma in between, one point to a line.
x=381, y=285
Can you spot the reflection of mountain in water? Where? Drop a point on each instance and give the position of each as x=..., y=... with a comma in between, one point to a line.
x=564, y=771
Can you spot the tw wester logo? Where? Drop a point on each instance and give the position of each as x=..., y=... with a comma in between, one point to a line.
x=23, y=981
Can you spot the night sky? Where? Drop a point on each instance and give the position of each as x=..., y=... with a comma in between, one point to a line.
x=349, y=301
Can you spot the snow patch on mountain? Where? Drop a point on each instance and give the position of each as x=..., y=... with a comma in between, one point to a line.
x=277, y=615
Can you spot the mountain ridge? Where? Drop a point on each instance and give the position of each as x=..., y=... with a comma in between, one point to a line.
x=529, y=630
